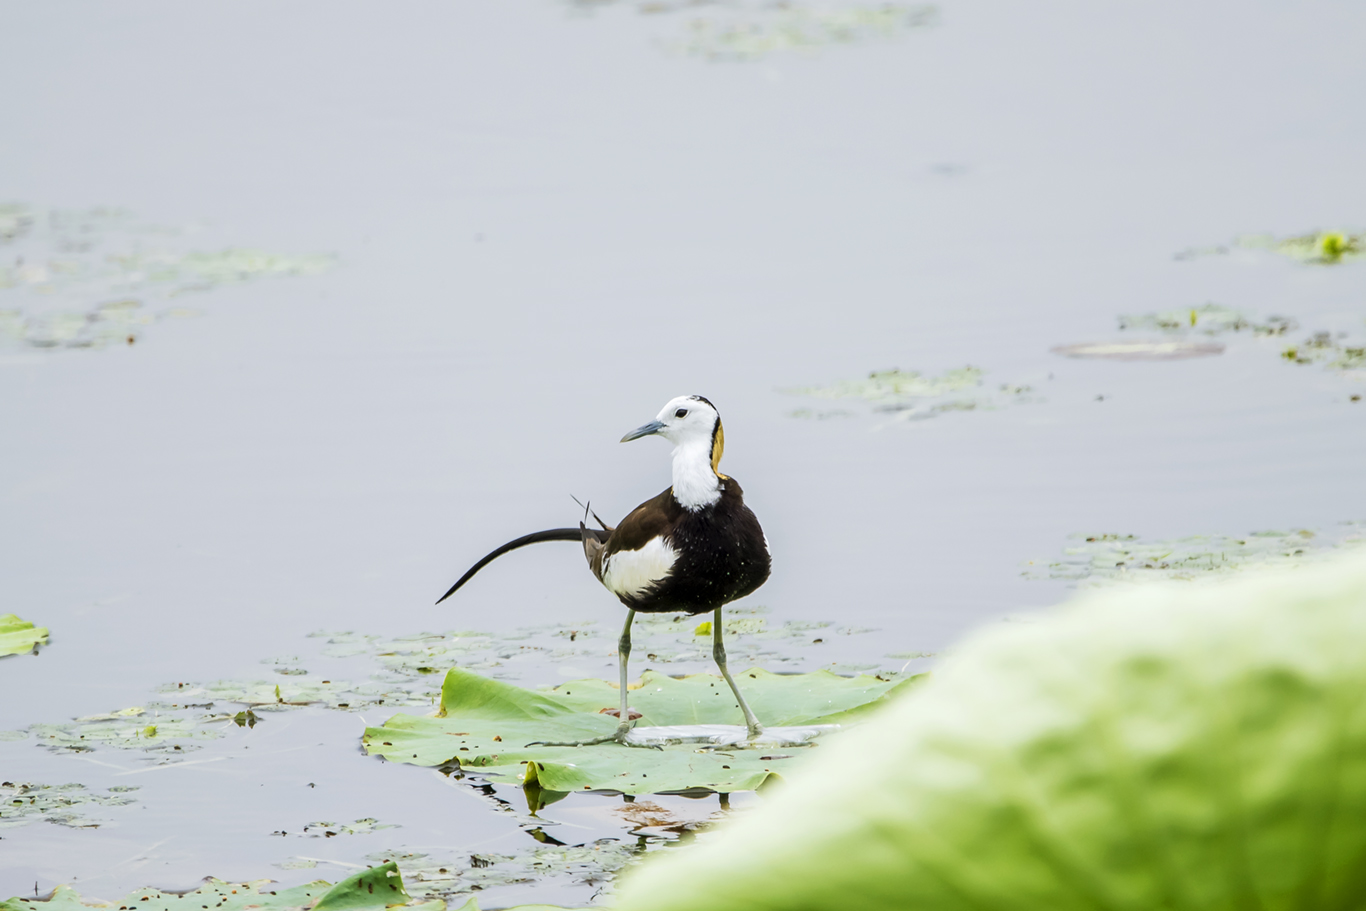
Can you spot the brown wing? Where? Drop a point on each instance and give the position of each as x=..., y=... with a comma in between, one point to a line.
x=650, y=519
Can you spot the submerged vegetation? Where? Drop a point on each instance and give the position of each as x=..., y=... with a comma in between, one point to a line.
x=908, y=395
x=1108, y=559
x=90, y=278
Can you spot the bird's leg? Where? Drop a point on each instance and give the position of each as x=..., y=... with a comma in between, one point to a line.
x=718, y=652
x=623, y=655
x=625, y=724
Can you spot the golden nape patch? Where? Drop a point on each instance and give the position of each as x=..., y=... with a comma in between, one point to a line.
x=718, y=443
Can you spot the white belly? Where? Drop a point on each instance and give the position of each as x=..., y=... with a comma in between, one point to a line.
x=634, y=572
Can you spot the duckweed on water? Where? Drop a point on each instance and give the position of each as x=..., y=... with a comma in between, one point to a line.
x=62, y=804
x=88, y=278
x=18, y=636
x=1109, y=559
x=908, y=395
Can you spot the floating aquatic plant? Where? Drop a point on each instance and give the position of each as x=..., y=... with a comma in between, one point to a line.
x=1319, y=247
x=18, y=636
x=436, y=874
x=1206, y=319
x=22, y=803
x=756, y=33
x=91, y=278
x=186, y=715
x=1107, y=559
x=502, y=732
x=1322, y=248
x=1332, y=351
x=910, y=395
x=375, y=887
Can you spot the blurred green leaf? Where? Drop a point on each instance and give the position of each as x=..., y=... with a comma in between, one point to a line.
x=1194, y=746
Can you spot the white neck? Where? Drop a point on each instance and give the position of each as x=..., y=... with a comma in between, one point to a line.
x=695, y=484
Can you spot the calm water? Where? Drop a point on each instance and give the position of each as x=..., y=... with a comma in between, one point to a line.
x=548, y=220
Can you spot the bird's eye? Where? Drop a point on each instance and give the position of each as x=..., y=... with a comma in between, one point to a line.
x=681, y=413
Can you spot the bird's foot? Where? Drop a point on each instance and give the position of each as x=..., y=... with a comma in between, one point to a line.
x=621, y=735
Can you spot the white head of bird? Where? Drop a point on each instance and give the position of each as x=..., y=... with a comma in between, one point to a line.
x=693, y=425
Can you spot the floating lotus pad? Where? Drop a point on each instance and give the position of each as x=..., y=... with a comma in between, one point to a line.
x=488, y=728
x=19, y=636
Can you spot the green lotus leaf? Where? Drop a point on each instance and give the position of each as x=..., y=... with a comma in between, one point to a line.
x=376, y=887
x=494, y=729
x=1165, y=746
x=19, y=636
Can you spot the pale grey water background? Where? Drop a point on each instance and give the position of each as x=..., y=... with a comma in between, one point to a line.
x=546, y=227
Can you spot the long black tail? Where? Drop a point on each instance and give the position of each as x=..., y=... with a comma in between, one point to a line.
x=554, y=534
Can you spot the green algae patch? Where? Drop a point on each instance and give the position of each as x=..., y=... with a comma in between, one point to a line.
x=22, y=803
x=911, y=395
x=1107, y=559
x=375, y=887
x=18, y=636
x=499, y=731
